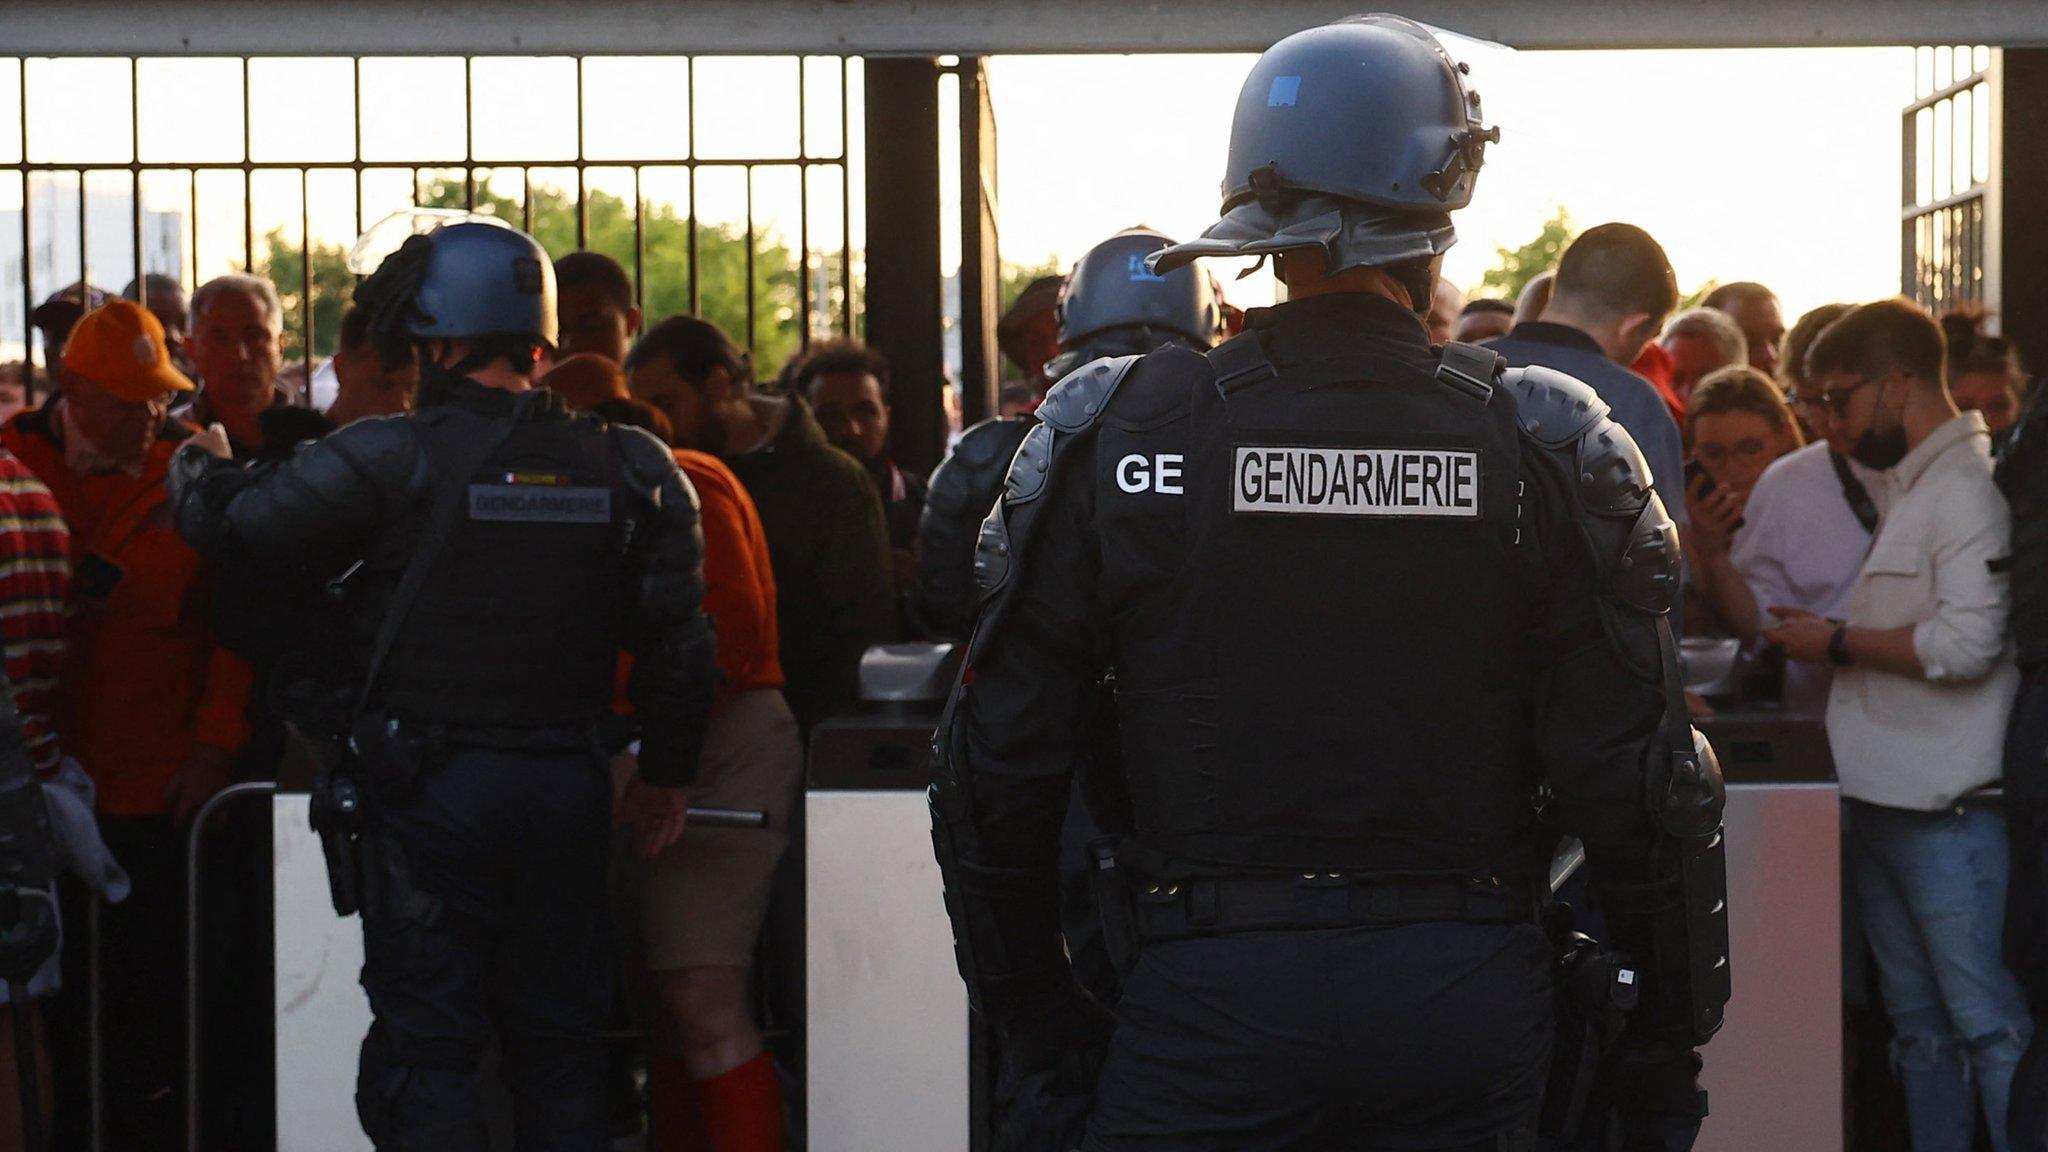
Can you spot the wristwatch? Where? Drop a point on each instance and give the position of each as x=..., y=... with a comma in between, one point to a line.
x=1838, y=647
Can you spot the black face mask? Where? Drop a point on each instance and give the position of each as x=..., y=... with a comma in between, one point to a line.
x=1881, y=451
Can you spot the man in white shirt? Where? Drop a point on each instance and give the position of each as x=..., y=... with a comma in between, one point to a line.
x=1924, y=680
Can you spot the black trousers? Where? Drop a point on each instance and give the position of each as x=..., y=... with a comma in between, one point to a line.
x=2026, y=909
x=486, y=914
x=1398, y=1039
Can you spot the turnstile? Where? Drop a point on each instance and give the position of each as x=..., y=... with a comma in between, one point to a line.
x=322, y=1013
x=1774, y=1074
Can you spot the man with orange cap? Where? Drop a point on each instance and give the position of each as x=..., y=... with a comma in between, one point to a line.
x=149, y=704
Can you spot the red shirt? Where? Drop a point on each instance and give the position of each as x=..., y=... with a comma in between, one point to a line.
x=1655, y=365
x=35, y=575
x=145, y=682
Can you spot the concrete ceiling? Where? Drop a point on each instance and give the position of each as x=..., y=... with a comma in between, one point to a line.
x=928, y=27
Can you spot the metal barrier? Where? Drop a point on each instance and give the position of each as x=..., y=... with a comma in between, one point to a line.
x=194, y=841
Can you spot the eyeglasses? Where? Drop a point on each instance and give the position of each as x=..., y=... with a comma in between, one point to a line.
x=1836, y=400
x=1749, y=448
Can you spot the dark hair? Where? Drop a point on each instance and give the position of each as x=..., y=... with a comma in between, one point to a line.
x=1727, y=296
x=1792, y=357
x=693, y=347
x=840, y=355
x=1971, y=349
x=158, y=283
x=631, y=413
x=578, y=269
x=1619, y=269
x=1488, y=304
x=1038, y=296
x=1893, y=335
x=393, y=351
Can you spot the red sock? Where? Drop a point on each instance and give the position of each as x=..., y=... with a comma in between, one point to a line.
x=742, y=1109
x=672, y=1104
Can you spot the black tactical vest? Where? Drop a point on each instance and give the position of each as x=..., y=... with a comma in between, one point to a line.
x=519, y=620
x=1320, y=591
x=2023, y=476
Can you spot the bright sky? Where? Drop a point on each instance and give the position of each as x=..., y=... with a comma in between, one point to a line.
x=1779, y=166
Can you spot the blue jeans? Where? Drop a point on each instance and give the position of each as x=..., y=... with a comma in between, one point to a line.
x=1930, y=887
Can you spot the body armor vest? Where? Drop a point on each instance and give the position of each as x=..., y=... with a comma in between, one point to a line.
x=1320, y=596
x=519, y=620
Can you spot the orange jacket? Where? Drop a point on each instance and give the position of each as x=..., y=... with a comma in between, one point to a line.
x=739, y=585
x=145, y=683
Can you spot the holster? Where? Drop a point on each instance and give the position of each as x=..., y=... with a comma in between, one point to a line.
x=336, y=813
x=1598, y=991
x=1116, y=905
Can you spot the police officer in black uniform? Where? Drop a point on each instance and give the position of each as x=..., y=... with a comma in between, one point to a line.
x=2023, y=476
x=1384, y=621
x=507, y=550
x=1111, y=304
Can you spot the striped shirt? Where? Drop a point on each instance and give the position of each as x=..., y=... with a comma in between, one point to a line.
x=35, y=574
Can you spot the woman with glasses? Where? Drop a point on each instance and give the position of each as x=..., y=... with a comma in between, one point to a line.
x=1737, y=425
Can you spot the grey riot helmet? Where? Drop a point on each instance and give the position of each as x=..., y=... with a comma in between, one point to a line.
x=1359, y=137
x=469, y=278
x=1111, y=287
x=1113, y=303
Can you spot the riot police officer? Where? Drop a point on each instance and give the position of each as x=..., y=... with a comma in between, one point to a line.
x=1111, y=304
x=506, y=552
x=1384, y=621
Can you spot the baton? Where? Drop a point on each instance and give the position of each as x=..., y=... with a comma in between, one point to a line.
x=726, y=818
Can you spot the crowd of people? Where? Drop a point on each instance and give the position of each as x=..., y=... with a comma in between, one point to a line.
x=1832, y=484
x=134, y=656
x=1834, y=489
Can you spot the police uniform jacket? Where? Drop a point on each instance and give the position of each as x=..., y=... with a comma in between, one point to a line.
x=573, y=540
x=1355, y=620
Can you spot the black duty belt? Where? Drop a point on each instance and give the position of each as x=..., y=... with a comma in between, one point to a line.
x=1174, y=910
x=545, y=738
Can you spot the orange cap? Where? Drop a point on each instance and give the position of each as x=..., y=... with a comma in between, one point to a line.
x=586, y=380
x=120, y=347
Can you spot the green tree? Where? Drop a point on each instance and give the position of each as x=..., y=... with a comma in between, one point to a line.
x=1017, y=277
x=284, y=264
x=665, y=269
x=721, y=268
x=1514, y=267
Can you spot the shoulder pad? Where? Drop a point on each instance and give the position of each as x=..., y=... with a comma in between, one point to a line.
x=992, y=440
x=970, y=478
x=1075, y=402
x=1029, y=467
x=1554, y=409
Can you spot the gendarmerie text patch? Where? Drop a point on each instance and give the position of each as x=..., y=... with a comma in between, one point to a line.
x=540, y=504
x=1417, y=482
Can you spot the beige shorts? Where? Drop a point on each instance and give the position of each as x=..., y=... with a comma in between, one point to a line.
x=700, y=904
